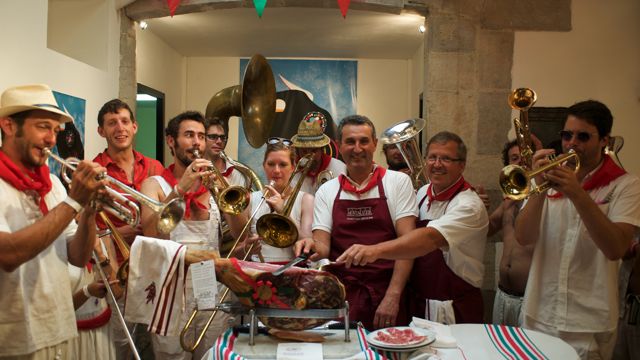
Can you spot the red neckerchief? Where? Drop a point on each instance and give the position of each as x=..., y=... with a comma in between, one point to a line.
x=447, y=194
x=228, y=171
x=607, y=172
x=38, y=181
x=346, y=185
x=326, y=159
x=189, y=196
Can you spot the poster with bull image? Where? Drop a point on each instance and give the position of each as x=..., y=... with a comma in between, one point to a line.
x=302, y=86
x=70, y=140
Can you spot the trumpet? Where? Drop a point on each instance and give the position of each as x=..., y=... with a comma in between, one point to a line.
x=276, y=229
x=169, y=214
x=515, y=180
x=405, y=136
x=231, y=199
x=523, y=99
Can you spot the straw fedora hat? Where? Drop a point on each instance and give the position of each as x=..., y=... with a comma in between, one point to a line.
x=311, y=131
x=30, y=97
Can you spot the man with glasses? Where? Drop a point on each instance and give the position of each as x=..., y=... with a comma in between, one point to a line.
x=311, y=139
x=367, y=205
x=580, y=228
x=448, y=242
x=217, y=137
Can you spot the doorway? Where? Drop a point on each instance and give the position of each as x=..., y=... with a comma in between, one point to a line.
x=150, y=117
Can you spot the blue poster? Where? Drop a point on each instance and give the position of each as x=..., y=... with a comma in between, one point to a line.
x=328, y=86
x=70, y=141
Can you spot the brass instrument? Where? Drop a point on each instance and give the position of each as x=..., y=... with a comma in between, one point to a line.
x=122, y=275
x=253, y=179
x=523, y=99
x=169, y=214
x=613, y=148
x=230, y=199
x=405, y=136
x=195, y=311
x=323, y=177
x=515, y=180
x=254, y=101
x=278, y=229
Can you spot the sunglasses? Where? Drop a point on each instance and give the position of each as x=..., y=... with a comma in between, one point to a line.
x=214, y=137
x=279, y=140
x=582, y=136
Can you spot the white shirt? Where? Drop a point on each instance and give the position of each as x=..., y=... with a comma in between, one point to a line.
x=197, y=234
x=336, y=167
x=37, y=308
x=463, y=221
x=401, y=199
x=271, y=253
x=235, y=178
x=572, y=286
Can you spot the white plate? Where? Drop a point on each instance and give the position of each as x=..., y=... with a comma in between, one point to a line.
x=403, y=349
x=430, y=337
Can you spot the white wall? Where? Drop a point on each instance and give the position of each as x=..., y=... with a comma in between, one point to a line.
x=160, y=67
x=599, y=59
x=383, y=88
x=26, y=59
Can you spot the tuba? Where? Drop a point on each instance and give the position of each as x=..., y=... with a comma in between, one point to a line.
x=277, y=229
x=523, y=99
x=254, y=101
x=405, y=136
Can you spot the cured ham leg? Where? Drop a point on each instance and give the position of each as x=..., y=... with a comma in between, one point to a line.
x=296, y=288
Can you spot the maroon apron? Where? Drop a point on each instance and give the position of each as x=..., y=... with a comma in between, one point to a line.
x=431, y=278
x=365, y=222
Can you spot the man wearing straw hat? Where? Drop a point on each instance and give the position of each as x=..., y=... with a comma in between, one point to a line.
x=37, y=235
x=311, y=139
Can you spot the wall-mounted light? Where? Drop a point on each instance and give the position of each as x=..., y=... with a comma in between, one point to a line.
x=422, y=29
x=143, y=25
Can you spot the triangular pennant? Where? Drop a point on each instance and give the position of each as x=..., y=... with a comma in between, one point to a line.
x=173, y=5
x=344, y=6
x=260, y=4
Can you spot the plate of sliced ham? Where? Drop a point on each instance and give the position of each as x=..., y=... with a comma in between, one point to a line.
x=400, y=337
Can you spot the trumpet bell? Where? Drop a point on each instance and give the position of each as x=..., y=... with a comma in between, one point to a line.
x=514, y=182
x=405, y=136
x=277, y=230
x=522, y=99
x=170, y=215
x=233, y=200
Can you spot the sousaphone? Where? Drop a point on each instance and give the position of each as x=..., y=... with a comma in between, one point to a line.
x=254, y=100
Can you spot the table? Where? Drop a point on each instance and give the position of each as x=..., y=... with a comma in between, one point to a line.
x=475, y=342
x=481, y=341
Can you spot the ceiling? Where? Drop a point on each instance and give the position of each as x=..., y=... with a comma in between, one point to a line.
x=291, y=32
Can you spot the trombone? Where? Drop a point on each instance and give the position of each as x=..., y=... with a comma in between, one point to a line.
x=515, y=180
x=195, y=311
x=231, y=199
x=278, y=229
x=169, y=214
x=121, y=274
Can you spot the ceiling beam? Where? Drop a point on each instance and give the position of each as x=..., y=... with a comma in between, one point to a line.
x=150, y=9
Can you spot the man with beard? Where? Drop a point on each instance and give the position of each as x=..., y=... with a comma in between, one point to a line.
x=395, y=161
x=118, y=125
x=580, y=230
x=200, y=227
x=369, y=204
x=311, y=139
x=448, y=242
x=38, y=237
